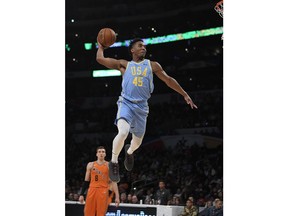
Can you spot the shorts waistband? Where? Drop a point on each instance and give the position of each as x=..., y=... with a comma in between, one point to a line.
x=134, y=101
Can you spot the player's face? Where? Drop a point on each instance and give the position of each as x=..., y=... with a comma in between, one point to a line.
x=101, y=153
x=139, y=49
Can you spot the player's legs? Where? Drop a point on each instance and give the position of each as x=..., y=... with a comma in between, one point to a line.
x=102, y=201
x=138, y=126
x=135, y=143
x=118, y=142
x=129, y=149
x=90, y=207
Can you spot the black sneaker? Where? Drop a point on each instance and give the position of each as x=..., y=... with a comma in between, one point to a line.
x=129, y=159
x=114, y=172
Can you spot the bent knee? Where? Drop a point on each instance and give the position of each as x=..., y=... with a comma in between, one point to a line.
x=123, y=133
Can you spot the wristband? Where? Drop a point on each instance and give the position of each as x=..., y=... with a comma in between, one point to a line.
x=84, y=187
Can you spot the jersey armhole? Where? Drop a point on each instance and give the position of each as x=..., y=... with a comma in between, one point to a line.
x=126, y=68
x=149, y=63
x=93, y=164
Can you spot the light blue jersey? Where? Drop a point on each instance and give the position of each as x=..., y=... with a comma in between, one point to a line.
x=137, y=86
x=137, y=81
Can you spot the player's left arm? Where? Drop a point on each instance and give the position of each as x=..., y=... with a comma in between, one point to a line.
x=171, y=82
x=116, y=191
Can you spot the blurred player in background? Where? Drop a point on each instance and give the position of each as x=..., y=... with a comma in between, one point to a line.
x=97, y=179
x=137, y=86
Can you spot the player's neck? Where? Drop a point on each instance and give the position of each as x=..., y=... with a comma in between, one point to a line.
x=100, y=162
x=136, y=59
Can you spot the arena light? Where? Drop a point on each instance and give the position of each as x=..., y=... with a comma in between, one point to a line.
x=174, y=37
x=67, y=47
x=88, y=46
x=163, y=39
x=157, y=40
x=105, y=73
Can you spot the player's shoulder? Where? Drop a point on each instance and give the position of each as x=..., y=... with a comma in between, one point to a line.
x=90, y=164
x=123, y=62
x=155, y=66
x=154, y=63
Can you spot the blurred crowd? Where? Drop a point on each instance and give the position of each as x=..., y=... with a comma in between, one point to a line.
x=187, y=171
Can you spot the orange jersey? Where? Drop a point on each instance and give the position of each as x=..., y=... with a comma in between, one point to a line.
x=97, y=199
x=99, y=175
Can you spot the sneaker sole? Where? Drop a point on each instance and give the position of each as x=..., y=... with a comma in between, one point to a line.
x=111, y=175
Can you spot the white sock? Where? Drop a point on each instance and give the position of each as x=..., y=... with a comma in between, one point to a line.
x=135, y=144
x=118, y=142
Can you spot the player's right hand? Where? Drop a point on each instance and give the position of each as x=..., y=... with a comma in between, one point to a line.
x=117, y=202
x=100, y=45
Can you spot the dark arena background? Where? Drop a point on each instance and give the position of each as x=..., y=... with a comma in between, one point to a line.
x=182, y=146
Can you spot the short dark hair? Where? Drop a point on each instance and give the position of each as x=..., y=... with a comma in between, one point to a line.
x=189, y=200
x=132, y=42
x=100, y=147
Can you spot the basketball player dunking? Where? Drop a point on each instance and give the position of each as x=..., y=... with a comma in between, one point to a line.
x=137, y=86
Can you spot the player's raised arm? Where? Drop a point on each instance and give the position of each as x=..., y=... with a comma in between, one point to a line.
x=110, y=62
x=171, y=82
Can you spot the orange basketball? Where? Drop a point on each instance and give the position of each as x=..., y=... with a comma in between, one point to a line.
x=106, y=37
